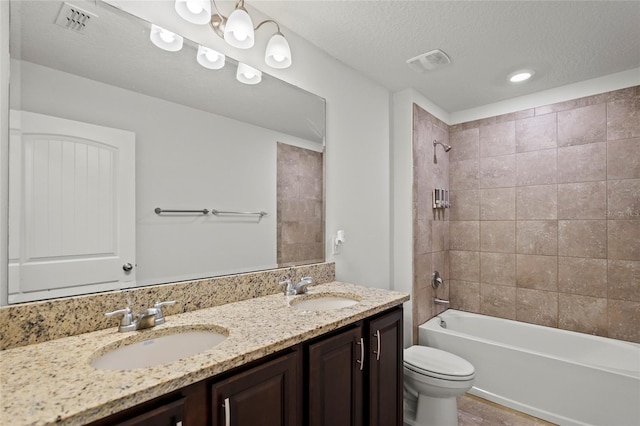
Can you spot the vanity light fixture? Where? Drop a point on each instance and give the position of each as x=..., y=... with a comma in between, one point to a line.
x=165, y=39
x=247, y=74
x=520, y=76
x=237, y=29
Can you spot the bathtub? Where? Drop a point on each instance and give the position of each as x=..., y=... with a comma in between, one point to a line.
x=560, y=376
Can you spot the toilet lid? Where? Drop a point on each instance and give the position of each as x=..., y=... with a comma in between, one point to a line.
x=435, y=362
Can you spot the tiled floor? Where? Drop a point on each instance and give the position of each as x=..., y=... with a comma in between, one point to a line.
x=473, y=411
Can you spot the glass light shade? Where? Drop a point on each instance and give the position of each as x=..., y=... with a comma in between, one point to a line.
x=238, y=31
x=247, y=74
x=278, y=53
x=194, y=11
x=165, y=39
x=210, y=58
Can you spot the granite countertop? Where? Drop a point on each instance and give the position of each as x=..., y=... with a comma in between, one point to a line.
x=53, y=383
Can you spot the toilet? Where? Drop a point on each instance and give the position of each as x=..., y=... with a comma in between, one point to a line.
x=433, y=379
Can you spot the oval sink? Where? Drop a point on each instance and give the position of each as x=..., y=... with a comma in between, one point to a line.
x=324, y=302
x=161, y=348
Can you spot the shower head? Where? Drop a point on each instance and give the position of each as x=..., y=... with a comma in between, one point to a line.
x=446, y=147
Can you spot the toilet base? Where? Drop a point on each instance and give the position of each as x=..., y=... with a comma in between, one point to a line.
x=432, y=412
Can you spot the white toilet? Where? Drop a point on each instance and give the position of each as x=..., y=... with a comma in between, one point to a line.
x=433, y=379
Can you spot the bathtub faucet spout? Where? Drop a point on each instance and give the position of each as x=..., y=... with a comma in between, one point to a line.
x=442, y=302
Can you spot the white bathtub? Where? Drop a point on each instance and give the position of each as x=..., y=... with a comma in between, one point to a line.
x=560, y=376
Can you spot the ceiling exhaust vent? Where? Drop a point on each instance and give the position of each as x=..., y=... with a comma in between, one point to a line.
x=73, y=18
x=429, y=61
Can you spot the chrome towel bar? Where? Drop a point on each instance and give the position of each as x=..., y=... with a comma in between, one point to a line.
x=220, y=212
x=215, y=212
x=158, y=210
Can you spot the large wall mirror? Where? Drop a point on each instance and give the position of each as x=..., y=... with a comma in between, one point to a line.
x=105, y=129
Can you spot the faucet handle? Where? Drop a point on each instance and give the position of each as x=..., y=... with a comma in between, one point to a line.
x=126, y=323
x=288, y=287
x=301, y=287
x=159, y=314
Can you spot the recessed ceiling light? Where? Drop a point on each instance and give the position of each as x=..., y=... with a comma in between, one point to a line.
x=520, y=76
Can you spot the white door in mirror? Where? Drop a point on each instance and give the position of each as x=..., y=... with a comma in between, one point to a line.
x=72, y=198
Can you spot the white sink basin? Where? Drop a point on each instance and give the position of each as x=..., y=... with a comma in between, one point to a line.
x=324, y=302
x=166, y=346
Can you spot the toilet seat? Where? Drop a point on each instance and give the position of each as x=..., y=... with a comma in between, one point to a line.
x=438, y=364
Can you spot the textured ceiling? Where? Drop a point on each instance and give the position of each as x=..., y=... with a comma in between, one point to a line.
x=563, y=41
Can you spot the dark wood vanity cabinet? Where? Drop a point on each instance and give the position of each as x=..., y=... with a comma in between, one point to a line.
x=336, y=379
x=352, y=376
x=355, y=376
x=385, y=372
x=266, y=395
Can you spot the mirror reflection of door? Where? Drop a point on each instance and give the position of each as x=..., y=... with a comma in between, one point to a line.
x=72, y=198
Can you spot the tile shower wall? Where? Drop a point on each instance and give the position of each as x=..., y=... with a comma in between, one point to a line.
x=545, y=217
x=300, y=199
x=431, y=228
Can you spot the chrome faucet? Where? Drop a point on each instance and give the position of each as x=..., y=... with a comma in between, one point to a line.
x=291, y=289
x=148, y=318
x=288, y=287
x=301, y=287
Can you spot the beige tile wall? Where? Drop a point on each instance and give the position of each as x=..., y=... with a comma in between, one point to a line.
x=431, y=236
x=545, y=217
x=300, y=206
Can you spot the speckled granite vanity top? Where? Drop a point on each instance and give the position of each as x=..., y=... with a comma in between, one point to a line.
x=53, y=383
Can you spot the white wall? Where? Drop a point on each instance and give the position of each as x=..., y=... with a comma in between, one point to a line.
x=4, y=148
x=185, y=159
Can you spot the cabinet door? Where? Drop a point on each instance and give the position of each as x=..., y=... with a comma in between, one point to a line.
x=385, y=370
x=336, y=368
x=267, y=395
x=171, y=414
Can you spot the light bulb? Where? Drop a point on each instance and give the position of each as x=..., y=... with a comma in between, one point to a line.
x=238, y=30
x=194, y=6
x=165, y=39
x=209, y=58
x=211, y=55
x=240, y=35
x=248, y=75
x=194, y=11
x=167, y=36
x=278, y=53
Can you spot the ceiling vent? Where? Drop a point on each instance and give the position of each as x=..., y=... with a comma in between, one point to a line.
x=429, y=61
x=73, y=18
